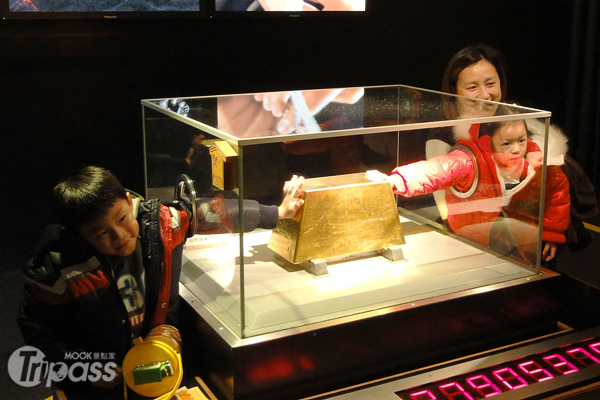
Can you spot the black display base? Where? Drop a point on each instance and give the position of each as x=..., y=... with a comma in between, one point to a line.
x=305, y=361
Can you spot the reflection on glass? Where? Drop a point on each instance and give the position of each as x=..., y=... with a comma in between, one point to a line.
x=460, y=107
x=177, y=105
x=325, y=110
x=284, y=113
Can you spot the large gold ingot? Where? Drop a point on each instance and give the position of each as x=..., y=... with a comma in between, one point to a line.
x=342, y=215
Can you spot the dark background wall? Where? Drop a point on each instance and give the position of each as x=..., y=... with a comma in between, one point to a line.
x=70, y=90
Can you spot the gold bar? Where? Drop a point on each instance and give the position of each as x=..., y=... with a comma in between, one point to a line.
x=342, y=215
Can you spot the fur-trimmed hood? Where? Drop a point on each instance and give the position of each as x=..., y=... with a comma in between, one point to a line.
x=557, y=141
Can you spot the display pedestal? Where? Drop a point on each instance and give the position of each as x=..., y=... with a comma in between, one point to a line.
x=367, y=318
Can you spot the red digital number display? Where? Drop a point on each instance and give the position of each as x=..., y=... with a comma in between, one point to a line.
x=583, y=356
x=454, y=391
x=537, y=373
x=511, y=375
x=483, y=385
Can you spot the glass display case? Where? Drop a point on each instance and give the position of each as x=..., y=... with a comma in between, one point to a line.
x=480, y=234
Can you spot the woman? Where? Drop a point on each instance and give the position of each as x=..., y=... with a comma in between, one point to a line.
x=480, y=72
x=477, y=72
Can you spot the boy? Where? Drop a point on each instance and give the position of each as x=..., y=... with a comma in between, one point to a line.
x=109, y=272
x=491, y=183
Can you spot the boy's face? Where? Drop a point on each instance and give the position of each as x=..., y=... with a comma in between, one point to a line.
x=116, y=232
x=511, y=139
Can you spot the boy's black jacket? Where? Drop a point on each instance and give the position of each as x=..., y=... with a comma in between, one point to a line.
x=55, y=322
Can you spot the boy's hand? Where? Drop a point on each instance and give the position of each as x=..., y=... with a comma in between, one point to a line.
x=292, y=191
x=549, y=251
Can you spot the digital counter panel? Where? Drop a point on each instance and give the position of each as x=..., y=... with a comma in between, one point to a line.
x=511, y=375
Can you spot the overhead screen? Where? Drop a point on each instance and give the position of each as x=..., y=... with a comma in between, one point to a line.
x=111, y=9
x=290, y=6
x=58, y=9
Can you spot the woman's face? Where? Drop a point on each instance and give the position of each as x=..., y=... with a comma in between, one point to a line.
x=478, y=81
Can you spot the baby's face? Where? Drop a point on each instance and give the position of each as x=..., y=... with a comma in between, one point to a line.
x=511, y=139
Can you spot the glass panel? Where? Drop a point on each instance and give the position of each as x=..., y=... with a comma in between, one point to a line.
x=344, y=111
x=173, y=148
x=476, y=226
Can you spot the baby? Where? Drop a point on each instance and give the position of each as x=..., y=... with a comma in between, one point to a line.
x=491, y=177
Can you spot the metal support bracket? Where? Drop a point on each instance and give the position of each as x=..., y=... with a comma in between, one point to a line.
x=393, y=253
x=318, y=266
